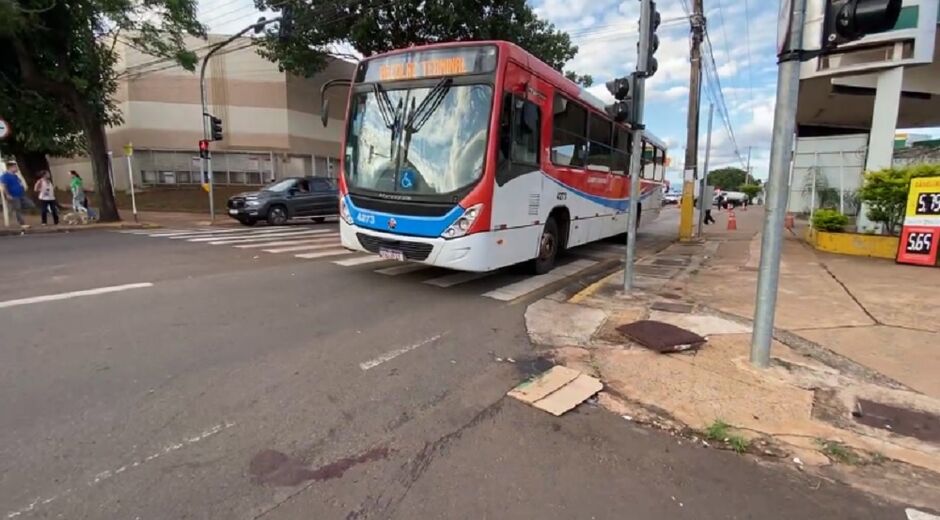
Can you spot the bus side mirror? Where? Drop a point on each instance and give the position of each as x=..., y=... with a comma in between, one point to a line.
x=325, y=112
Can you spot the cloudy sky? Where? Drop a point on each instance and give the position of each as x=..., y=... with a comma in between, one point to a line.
x=743, y=39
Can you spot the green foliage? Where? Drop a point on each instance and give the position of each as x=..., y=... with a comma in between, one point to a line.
x=57, y=67
x=885, y=192
x=751, y=190
x=839, y=452
x=585, y=81
x=829, y=220
x=720, y=431
x=376, y=26
x=729, y=179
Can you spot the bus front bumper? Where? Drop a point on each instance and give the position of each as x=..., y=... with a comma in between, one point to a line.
x=465, y=253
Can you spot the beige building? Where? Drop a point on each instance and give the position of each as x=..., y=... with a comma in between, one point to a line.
x=271, y=121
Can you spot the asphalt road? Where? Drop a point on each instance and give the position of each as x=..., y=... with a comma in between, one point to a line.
x=234, y=384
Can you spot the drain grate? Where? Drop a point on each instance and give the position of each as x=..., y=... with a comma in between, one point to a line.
x=661, y=337
x=902, y=421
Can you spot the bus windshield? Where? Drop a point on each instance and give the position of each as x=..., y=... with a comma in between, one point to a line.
x=419, y=141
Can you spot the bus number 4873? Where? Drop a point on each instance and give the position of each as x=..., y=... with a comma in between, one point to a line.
x=919, y=243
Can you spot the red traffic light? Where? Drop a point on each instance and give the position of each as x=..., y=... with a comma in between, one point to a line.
x=204, y=148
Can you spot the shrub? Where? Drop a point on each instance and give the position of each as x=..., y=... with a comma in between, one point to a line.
x=885, y=192
x=829, y=220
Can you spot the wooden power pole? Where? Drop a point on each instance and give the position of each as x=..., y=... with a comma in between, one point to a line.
x=691, y=143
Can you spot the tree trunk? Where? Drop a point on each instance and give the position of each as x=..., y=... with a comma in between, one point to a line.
x=100, y=165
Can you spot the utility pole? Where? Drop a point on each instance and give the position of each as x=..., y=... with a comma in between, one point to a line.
x=777, y=190
x=645, y=66
x=691, y=141
x=702, y=202
x=748, y=179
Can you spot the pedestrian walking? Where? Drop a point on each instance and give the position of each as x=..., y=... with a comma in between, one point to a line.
x=79, y=201
x=46, y=190
x=709, y=219
x=14, y=191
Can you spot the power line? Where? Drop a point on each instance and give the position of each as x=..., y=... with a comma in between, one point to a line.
x=747, y=45
x=717, y=95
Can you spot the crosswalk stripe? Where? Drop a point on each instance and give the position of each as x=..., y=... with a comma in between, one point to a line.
x=190, y=232
x=229, y=234
x=312, y=240
x=321, y=254
x=359, y=260
x=268, y=238
x=402, y=269
x=301, y=248
x=515, y=290
x=455, y=279
x=151, y=232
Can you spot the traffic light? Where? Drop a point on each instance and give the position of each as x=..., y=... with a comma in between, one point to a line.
x=652, y=65
x=215, y=128
x=204, y=148
x=849, y=20
x=622, y=90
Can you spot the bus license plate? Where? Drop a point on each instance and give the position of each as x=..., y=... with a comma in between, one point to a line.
x=391, y=254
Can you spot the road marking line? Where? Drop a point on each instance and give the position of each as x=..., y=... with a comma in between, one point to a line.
x=302, y=248
x=234, y=233
x=292, y=234
x=388, y=356
x=321, y=254
x=518, y=289
x=150, y=232
x=402, y=269
x=914, y=514
x=253, y=238
x=188, y=232
x=455, y=279
x=359, y=261
x=74, y=294
x=313, y=240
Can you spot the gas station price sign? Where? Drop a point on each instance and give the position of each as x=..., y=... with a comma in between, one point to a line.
x=920, y=235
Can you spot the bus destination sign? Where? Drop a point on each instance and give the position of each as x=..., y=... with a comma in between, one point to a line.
x=920, y=235
x=429, y=64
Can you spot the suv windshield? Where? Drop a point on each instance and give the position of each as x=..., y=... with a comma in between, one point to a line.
x=281, y=186
x=421, y=141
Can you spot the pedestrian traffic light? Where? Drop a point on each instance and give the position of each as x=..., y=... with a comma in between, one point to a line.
x=204, y=148
x=622, y=90
x=215, y=128
x=849, y=20
x=652, y=65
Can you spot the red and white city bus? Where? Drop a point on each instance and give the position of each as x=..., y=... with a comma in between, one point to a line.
x=477, y=155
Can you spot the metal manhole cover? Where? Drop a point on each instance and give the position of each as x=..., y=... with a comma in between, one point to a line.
x=902, y=421
x=661, y=337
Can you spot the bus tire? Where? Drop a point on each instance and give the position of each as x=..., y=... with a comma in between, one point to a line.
x=549, y=244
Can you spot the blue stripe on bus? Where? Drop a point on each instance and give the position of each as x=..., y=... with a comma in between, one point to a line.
x=618, y=204
x=404, y=224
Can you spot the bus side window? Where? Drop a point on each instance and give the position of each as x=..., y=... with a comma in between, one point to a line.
x=520, y=124
x=569, y=133
x=647, y=161
x=621, y=160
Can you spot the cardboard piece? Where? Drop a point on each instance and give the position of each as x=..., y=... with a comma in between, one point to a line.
x=557, y=390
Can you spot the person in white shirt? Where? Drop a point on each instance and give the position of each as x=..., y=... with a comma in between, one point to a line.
x=46, y=191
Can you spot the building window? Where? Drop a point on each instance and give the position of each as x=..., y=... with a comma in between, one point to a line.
x=569, y=129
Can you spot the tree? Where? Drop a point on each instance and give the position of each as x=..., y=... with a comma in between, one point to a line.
x=751, y=190
x=375, y=26
x=885, y=192
x=65, y=52
x=729, y=179
x=585, y=81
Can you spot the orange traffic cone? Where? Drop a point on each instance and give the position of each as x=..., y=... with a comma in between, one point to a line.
x=732, y=221
x=788, y=221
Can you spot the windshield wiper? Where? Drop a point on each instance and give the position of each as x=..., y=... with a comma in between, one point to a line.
x=420, y=115
x=385, y=106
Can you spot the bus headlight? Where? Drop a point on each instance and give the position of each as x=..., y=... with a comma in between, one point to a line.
x=462, y=225
x=344, y=211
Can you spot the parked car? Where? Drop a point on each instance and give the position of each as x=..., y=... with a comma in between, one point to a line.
x=293, y=197
x=735, y=198
x=672, y=198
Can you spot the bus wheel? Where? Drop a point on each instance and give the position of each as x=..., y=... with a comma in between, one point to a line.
x=548, y=248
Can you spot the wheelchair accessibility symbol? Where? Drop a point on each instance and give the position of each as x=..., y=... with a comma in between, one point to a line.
x=407, y=180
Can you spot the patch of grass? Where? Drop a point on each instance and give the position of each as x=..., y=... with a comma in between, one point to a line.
x=839, y=452
x=720, y=431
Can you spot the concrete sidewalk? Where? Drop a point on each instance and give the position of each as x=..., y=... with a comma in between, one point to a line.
x=849, y=331
x=145, y=219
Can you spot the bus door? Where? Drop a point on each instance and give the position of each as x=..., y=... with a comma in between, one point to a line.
x=518, y=187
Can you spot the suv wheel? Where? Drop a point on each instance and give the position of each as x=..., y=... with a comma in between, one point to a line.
x=277, y=216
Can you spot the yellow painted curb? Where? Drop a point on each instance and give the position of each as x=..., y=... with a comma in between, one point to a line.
x=855, y=244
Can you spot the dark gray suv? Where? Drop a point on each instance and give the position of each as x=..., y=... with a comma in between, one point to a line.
x=292, y=197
